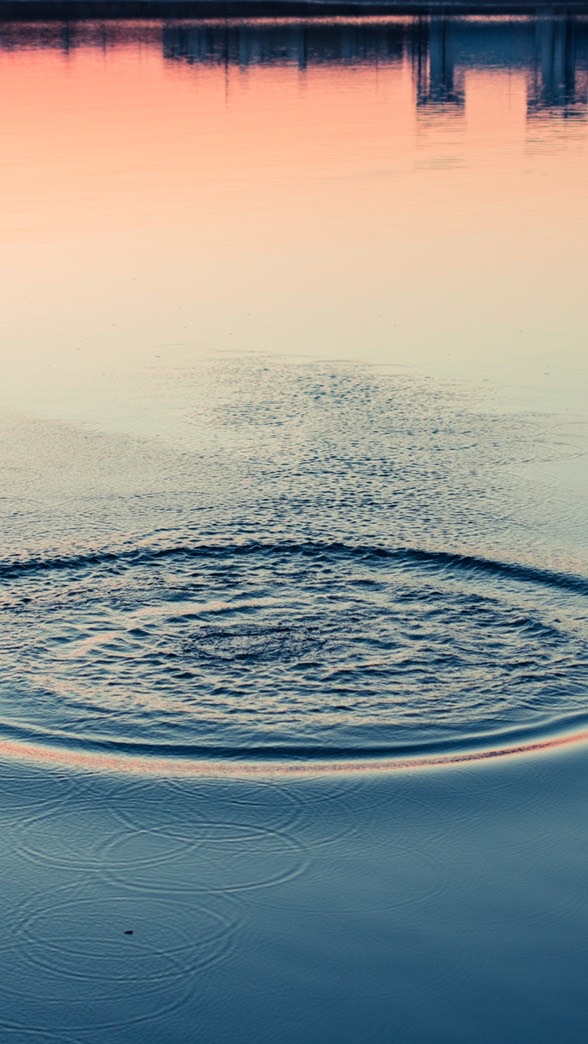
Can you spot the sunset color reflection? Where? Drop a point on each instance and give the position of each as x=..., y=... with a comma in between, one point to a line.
x=295, y=189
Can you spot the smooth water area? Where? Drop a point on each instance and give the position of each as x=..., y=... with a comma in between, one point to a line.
x=447, y=905
x=293, y=356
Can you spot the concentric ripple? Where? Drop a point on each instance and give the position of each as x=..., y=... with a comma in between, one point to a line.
x=143, y=952
x=313, y=650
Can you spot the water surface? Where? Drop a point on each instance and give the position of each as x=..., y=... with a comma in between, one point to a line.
x=294, y=359
x=292, y=491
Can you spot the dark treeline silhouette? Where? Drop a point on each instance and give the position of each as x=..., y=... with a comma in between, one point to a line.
x=551, y=49
x=301, y=44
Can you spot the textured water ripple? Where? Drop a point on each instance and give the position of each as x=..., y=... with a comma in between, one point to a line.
x=288, y=649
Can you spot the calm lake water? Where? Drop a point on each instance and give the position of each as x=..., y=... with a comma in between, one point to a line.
x=293, y=480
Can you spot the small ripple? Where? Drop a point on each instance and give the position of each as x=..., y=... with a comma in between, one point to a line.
x=77, y=837
x=145, y=951
x=11, y=1030
x=213, y=857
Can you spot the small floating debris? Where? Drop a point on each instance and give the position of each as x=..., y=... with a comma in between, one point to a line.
x=129, y=931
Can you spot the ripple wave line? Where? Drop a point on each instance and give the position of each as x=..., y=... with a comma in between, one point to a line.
x=409, y=556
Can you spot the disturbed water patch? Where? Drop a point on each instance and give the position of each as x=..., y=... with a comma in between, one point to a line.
x=288, y=650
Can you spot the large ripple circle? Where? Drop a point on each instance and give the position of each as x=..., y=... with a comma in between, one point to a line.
x=300, y=650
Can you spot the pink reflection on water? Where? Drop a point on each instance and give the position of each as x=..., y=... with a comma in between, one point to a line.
x=155, y=200
x=158, y=766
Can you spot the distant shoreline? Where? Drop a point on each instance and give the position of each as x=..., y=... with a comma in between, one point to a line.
x=206, y=9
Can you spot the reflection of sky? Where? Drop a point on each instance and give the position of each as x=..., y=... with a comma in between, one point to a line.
x=411, y=192
x=553, y=50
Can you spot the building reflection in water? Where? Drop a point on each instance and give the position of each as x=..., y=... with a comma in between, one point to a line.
x=286, y=43
x=552, y=51
x=439, y=78
x=559, y=80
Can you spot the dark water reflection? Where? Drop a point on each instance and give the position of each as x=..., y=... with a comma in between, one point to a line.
x=551, y=49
